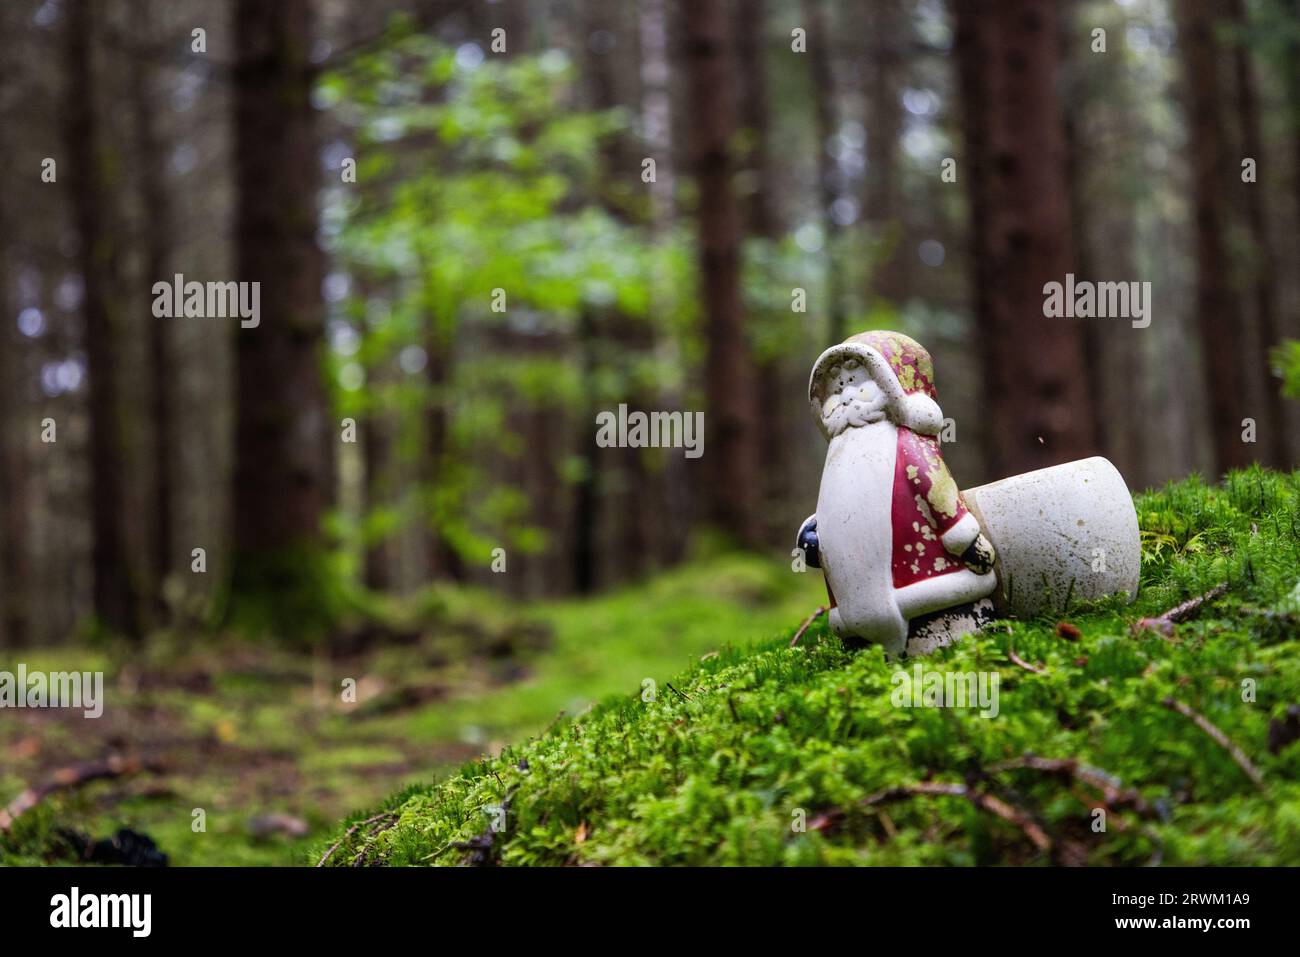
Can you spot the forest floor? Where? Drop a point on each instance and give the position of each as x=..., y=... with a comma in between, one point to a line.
x=262, y=743
x=1123, y=735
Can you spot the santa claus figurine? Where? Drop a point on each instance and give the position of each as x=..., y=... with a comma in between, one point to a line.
x=907, y=565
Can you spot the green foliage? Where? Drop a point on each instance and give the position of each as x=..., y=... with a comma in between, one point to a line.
x=715, y=769
x=1286, y=357
x=298, y=593
x=474, y=179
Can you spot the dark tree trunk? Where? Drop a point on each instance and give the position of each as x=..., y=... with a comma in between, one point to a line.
x=657, y=108
x=731, y=456
x=442, y=558
x=889, y=32
x=1261, y=261
x=763, y=220
x=750, y=19
x=281, y=429
x=823, y=89
x=587, y=488
x=15, y=504
x=156, y=207
x=1034, y=382
x=673, y=498
x=15, y=565
x=1082, y=265
x=1293, y=97
x=636, y=528
x=115, y=597
x=1216, y=313
x=376, y=451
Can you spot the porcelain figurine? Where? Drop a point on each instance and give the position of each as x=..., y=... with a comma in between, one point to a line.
x=913, y=563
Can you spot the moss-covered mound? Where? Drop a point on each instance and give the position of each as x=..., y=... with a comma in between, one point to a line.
x=1111, y=743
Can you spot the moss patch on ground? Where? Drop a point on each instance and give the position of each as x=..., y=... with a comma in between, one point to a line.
x=1110, y=745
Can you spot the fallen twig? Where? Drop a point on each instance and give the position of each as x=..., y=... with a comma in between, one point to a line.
x=371, y=836
x=63, y=779
x=1163, y=625
x=482, y=845
x=1221, y=739
x=807, y=622
x=1016, y=659
x=1071, y=770
x=350, y=831
x=982, y=800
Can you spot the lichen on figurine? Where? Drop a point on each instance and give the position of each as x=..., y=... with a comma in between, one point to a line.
x=911, y=562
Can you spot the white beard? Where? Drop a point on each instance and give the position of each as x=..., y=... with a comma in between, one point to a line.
x=857, y=402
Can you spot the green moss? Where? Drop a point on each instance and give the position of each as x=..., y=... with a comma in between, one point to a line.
x=752, y=741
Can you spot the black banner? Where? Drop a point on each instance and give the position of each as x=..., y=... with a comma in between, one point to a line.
x=303, y=906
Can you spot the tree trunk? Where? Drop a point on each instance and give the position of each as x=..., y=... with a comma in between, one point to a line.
x=1216, y=313
x=586, y=500
x=750, y=25
x=156, y=208
x=1292, y=54
x=281, y=428
x=15, y=564
x=763, y=220
x=731, y=459
x=1020, y=230
x=673, y=494
x=1082, y=265
x=1261, y=262
x=16, y=585
x=115, y=597
x=442, y=558
x=823, y=89
x=656, y=107
x=377, y=453
x=636, y=529
x=890, y=33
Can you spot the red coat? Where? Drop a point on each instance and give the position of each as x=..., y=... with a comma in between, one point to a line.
x=931, y=523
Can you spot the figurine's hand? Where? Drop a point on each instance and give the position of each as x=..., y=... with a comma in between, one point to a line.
x=979, y=556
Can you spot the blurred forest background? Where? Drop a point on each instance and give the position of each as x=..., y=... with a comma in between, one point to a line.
x=798, y=150
x=477, y=225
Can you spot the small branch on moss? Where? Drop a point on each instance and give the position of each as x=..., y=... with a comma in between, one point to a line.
x=1163, y=625
x=390, y=820
x=1221, y=739
x=350, y=831
x=807, y=622
x=1016, y=659
x=1269, y=614
x=983, y=801
x=1071, y=770
x=554, y=721
x=684, y=697
x=73, y=777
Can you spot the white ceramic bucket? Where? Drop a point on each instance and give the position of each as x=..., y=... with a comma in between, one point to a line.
x=1062, y=535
